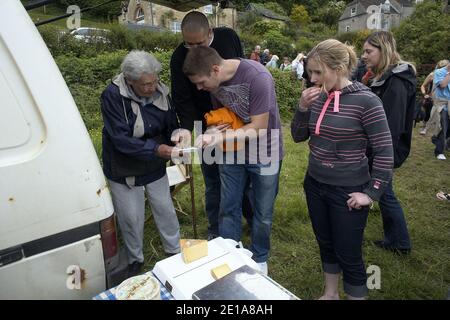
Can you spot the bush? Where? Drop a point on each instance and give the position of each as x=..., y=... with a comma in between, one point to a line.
x=61, y=42
x=249, y=41
x=262, y=27
x=279, y=44
x=90, y=71
x=288, y=92
x=123, y=38
x=151, y=41
x=304, y=45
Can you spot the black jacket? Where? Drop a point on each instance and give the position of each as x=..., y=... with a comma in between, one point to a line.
x=397, y=90
x=192, y=104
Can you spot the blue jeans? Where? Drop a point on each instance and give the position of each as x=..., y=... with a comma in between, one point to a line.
x=394, y=223
x=264, y=191
x=441, y=139
x=339, y=232
x=211, y=177
x=212, y=197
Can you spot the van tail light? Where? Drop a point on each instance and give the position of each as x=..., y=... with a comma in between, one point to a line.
x=109, y=237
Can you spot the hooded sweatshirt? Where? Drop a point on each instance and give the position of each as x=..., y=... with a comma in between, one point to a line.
x=339, y=126
x=397, y=90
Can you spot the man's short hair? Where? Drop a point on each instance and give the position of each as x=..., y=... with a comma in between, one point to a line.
x=200, y=61
x=195, y=21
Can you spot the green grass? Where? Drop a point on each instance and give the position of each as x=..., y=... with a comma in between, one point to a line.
x=295, y=262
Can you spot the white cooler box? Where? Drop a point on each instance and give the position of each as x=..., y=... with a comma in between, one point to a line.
x=183, y=279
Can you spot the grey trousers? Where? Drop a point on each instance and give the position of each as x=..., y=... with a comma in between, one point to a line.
x=129, y=205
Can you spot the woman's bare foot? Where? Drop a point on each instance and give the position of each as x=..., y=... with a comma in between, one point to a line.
x=329, y=297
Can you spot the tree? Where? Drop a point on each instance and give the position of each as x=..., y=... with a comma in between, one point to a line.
x=247, y=20
x=300, y=16
x=330, y=13
x=425, y=36
x=275, y=7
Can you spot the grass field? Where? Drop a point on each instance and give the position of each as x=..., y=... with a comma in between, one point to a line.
x=295, y=260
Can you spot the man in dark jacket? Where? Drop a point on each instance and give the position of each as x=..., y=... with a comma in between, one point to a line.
x=191, y=104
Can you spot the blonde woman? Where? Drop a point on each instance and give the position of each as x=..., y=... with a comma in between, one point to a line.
x=394, y=82
x=340, y=118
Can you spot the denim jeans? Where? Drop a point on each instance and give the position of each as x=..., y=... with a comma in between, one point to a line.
x=339, y=232
x=211, y=177
x=212, y=197
x=394, y=223
x=264, y=191
x=440, y=140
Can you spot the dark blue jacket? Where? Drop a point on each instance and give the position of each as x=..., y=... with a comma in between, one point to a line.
x=118, y=134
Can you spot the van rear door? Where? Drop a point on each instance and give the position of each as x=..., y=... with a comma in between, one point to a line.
x=53, y=194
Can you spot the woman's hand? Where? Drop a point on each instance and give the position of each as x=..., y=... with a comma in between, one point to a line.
x=358, y=200
x=164, y=151
x=308, y=97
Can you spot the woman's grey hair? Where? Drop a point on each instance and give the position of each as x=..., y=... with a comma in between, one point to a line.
x=136, y=63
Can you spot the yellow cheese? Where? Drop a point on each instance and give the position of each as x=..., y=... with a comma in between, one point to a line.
x=220, y=271
x=193, y=249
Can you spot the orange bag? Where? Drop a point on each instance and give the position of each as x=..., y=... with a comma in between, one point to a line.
x=224, y=115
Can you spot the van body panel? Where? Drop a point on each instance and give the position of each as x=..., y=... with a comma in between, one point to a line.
x=36, y=272
x=51, y=179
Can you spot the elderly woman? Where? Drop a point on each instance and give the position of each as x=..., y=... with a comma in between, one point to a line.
x=138, y=126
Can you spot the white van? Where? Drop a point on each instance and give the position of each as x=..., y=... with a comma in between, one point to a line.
x=57, y=229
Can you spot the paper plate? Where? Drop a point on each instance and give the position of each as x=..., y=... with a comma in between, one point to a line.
x=143, y=287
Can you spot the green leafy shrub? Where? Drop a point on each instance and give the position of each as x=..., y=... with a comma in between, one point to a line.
x=279, y=44
x=249, y=41
x=288, y=92
x=262, y=27
x=304, y=45
x=122, y=38
x=61, y=42
x=90, y=70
